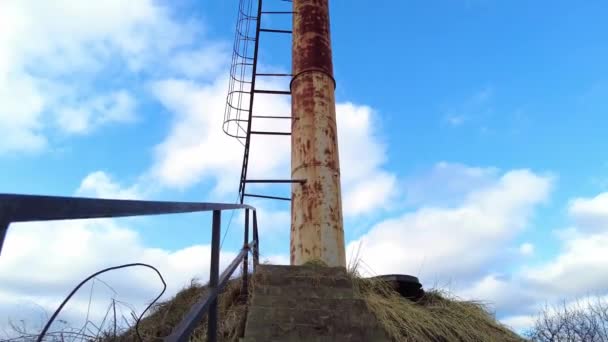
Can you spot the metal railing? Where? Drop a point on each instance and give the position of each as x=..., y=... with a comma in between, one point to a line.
x=27, y=208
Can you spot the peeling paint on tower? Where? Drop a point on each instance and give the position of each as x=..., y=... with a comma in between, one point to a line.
x=316, y=209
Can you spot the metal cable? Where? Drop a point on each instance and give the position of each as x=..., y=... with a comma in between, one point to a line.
x=229, y=221
x=50, y=321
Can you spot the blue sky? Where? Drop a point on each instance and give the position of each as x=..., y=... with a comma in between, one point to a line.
x=471, y=142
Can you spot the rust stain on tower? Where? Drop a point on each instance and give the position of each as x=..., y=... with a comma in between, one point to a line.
x=316, y=209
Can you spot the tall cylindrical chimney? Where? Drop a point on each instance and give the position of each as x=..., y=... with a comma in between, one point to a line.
x=316, y=208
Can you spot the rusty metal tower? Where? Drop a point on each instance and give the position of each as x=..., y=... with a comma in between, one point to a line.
x=316, y=206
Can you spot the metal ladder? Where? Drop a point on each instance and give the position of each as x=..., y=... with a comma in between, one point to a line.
x=239, y=112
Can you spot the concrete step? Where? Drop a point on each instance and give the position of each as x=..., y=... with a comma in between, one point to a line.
x=308, y=303
x=366, y=337
x=303, y=333
x=340, y=315
x=303, y=292
x=298, y=279
x=292, y=331
x=302, y=271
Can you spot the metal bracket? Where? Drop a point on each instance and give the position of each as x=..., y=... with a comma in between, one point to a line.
x=269, y=197
x=270, y=133
x=275, y=31
x=301, y=181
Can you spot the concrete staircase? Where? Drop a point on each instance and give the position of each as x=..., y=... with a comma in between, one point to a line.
x=308, y=303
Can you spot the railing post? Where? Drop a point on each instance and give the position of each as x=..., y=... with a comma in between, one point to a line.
x=4, y=223
x=256, y=248
x=246, y=259
x=3, y=230
x=214, y=274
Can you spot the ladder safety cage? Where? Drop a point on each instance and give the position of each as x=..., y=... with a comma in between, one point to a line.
x=236, y=113
x=239, y=110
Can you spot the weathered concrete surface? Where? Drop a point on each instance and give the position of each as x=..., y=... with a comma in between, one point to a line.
x=305, y=303
x=316, y=208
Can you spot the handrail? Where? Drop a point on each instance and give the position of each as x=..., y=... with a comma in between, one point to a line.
x=22, y=208
x=26, y=208
x=198, y=310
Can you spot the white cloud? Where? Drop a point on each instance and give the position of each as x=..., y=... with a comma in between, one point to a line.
x=366, y=185
x=100, y=184
x=501, y=292
x=68, y=35
x=20, y=114
x=273, y=224
x=590, y=213
x=369, y=194
x=52, y=53
x=278, y=259
x=118, y=106
x=472, y=109
x=205, y=62
x=273, y=221
x=358, y=142
x=526, y=249
x=455, y=242
x=578, y=269
x=195, y=147
x=519, y=323
x=576, y=272
x=446, y=184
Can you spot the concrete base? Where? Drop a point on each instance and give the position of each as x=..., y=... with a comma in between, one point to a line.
x=308, y=303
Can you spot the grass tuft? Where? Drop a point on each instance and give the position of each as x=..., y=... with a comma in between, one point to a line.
x=437, y=316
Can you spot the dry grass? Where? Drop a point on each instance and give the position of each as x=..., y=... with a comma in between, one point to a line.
x=166, y=315
x=435, y=317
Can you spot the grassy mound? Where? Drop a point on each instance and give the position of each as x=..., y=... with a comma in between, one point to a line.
x=232, y=311
x=435, y=317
